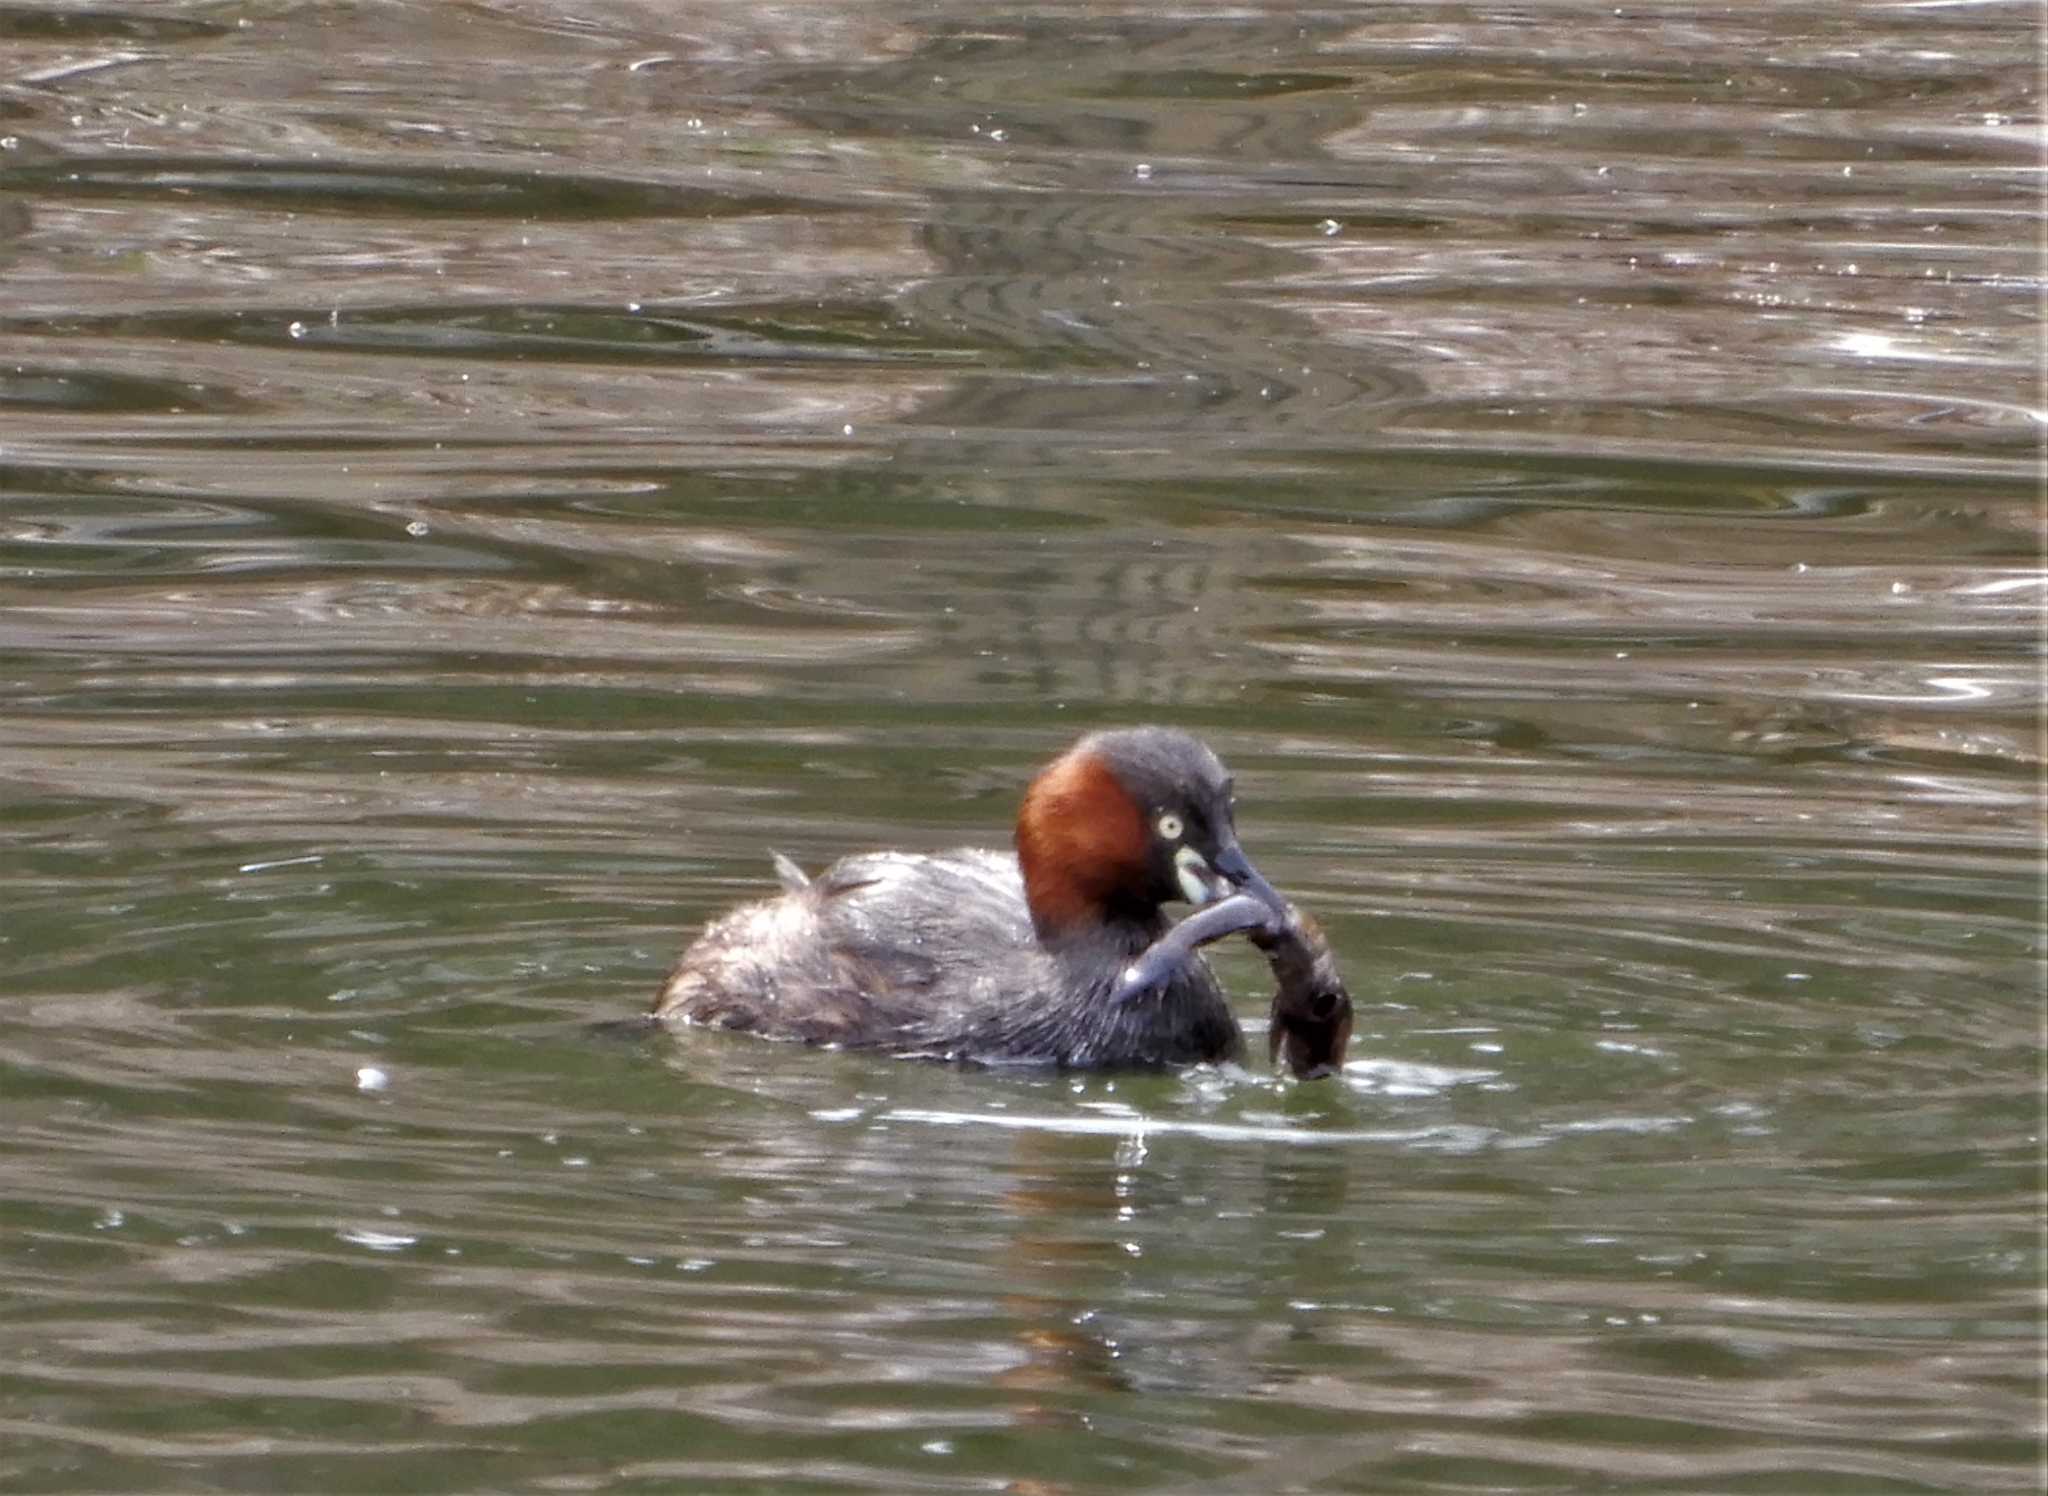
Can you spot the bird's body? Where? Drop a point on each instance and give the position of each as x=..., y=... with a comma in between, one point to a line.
x=997, y=957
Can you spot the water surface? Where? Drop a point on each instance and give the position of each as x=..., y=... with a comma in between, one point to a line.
x=475, y=478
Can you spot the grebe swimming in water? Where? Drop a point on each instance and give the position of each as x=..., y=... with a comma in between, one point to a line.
x=1059, y=954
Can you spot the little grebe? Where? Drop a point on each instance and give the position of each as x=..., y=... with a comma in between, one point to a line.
x=1052, y=956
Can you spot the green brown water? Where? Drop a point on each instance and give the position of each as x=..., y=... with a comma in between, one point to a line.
x=474, y=478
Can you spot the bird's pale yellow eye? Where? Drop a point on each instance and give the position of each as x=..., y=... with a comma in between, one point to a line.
x=1169, y=826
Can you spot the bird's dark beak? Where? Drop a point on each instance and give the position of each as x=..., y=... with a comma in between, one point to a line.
x=1231, y=862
